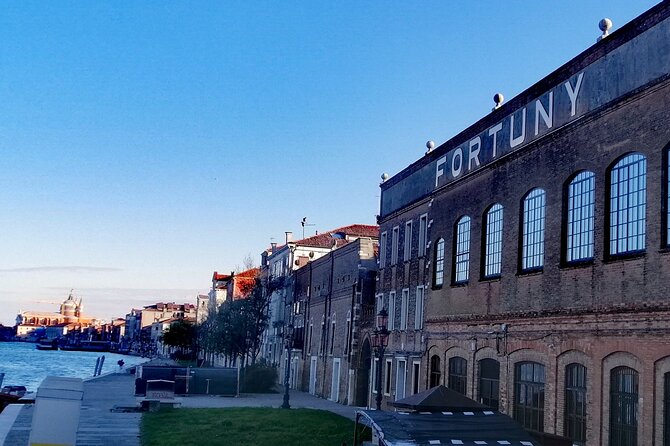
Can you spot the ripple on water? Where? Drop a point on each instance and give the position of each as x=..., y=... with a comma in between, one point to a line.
x=24, y=365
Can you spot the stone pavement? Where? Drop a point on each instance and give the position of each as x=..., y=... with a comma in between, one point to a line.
x=98, y=426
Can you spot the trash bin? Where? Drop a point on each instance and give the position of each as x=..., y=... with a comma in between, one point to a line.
x=56, y=415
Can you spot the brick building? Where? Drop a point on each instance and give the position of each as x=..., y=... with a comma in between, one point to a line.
x=540, y=235
x=331, y=296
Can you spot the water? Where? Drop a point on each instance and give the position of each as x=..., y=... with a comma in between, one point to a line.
x=24, y=365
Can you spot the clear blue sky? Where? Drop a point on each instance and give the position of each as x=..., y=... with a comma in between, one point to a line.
x=146, y=144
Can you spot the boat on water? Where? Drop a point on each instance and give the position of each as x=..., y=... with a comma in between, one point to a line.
x=88, y=346
x=47, y=344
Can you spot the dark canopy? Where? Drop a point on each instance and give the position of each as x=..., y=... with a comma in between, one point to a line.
x=446, y=428
x=438, y=399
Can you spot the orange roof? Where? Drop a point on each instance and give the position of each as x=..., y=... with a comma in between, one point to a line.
x=218, y=276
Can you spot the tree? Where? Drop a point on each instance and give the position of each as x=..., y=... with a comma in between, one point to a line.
x=183, y=336
x=239, y=324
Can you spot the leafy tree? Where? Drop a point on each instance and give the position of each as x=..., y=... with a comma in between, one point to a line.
x=183, y=336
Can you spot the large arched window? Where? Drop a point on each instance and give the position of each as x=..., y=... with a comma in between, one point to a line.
x=462, y=250
x=458, y=374
x=532, y=244
x=493, y=227
x=435, y=372
x=627, y=205
x=439, y=263
x=575, y=403
x=489, y=383
x=624, y=393
x=529, y=379
x=580, y=197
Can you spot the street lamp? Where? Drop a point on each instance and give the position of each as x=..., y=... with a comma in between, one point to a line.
x=380, y=339
x=288, y=339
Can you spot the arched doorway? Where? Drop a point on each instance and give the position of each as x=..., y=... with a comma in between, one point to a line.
x=363, y=375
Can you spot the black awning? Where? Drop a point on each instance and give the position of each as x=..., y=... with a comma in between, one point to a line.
x=484, y=428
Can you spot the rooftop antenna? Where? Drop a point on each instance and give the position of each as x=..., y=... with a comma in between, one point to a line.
x=304, y=223
x=605, y=25
x=498, y=98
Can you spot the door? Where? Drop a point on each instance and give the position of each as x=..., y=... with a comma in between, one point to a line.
x=335, y=384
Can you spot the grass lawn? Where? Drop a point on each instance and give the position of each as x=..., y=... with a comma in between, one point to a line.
x=242, y=426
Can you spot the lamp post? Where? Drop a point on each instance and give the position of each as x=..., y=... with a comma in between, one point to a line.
x=380, y=339
x=288, y=339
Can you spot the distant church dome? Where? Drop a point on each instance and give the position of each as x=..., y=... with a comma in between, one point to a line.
x=70, y=309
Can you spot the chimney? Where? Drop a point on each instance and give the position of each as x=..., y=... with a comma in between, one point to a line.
x=273, y=247
x=289, y=236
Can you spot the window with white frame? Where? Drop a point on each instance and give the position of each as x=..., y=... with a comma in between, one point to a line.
x=407, y=249
x=418, y=311
x=462, y=250
x=346, y=345
x=391, y=321
x=580, y=217
x=493, y=241
x=532, y=245
x=423, y=234
x=332, y=334
x=627, y=205
x=394, y=244
x=401, y=378
x=387, y=382
x=438, y=276
x=375, y=367
x=404, y=308
x=382, y=249
x=380, y=302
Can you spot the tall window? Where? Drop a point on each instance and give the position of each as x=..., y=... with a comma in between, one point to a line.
x=418, y=311
x=375, y=364
x=332, y=335
x=404, y=308
x=382, y=249
x=435, y=372
x=493, y=243
x=423, y=234
x=458, y=374
x=348, y=342
x=407, y=251
x=489, y=383
x=391, y=321
x=387, y=382
x=394, y=245
x=575, y=403
x=624, y=393
x=439, y=263
x=580, y=217
x=532, y=246
x=529, y=395
x=462, y=250
x=627, y=205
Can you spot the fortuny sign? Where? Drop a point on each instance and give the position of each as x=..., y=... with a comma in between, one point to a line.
x=554, y=108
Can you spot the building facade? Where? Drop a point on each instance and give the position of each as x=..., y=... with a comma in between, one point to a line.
x=547, y=250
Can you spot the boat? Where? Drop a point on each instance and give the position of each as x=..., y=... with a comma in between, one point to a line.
x=47, y=344
x=10, y=395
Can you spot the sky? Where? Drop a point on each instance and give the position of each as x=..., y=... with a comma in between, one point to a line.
x=145, y=145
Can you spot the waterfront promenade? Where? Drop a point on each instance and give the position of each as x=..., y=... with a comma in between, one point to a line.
x=99, y=426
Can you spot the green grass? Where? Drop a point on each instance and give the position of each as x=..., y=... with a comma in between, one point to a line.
x=242, y=426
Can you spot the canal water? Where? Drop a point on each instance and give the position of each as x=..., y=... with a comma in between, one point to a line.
x=24, y=365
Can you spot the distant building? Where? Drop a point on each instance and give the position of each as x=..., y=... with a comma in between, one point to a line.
x=71, y=312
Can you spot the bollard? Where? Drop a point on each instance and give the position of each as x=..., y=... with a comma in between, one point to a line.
x=56, y=413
